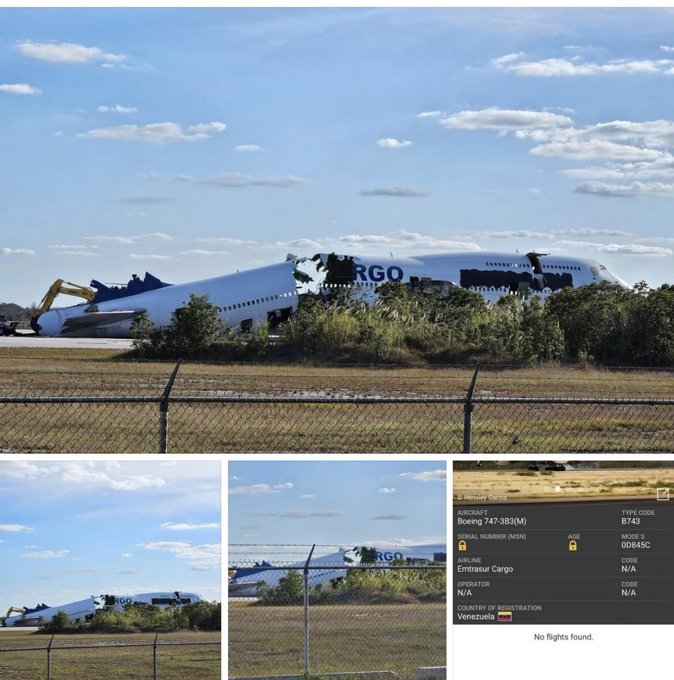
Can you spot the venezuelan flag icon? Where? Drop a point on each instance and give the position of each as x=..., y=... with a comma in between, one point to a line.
x=505, y=617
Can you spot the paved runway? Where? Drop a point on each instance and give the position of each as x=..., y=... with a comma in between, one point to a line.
x=64, y=343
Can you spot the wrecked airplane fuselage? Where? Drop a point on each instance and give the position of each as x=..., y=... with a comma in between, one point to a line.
x=271, y=294
x=267, y=294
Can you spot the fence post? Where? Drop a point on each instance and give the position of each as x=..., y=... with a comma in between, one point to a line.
x=51, y=640
x=468, y=413
x=306, y=613
x=154, y=657
x=163, y=410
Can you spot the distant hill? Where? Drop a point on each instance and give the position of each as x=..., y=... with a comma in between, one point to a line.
x=15, y=312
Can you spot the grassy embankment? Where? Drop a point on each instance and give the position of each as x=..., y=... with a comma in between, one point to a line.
x=330, y=427
x=343, y=638
x=116, y=662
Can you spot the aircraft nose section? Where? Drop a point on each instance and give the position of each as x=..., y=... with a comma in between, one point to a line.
x=48, y=324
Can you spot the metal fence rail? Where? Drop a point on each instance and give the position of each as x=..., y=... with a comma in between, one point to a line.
x=334, y=423
x=66, y=657
x=393, y=619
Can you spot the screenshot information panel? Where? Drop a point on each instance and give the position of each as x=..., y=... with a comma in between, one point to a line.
x=560, y=565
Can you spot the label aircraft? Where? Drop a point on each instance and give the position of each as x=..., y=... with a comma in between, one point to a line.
x=246, y=580
x=271, y=294
x=84, y=610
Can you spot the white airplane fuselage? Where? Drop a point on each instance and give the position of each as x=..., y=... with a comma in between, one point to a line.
x=83, y=610
x=271, y=293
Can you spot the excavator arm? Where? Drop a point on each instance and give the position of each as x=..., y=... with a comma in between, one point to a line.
x=65, y=287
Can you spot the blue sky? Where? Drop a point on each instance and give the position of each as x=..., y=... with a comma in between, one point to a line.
x=192, y=143
x=71, y=529
x=334, y=503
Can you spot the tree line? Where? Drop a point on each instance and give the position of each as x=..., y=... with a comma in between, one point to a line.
x=601, y=324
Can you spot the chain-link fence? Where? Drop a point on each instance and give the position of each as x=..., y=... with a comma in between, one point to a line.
x=319, y=420
x=142, y=657
x=330, y=617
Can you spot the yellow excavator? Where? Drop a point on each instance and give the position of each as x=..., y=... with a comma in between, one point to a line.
x=10, y=611
x=60, y=286
x=67, y=288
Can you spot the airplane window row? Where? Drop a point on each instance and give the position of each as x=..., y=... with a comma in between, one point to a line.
x=508, y=264
x=257, y=301
x=562, y=266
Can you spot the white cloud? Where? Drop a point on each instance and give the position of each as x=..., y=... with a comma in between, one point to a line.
x=402, y=240
x=20, y=88
x=127, y=555
x=205, y=253
x=46, y=554
x=137, y=482
x=588, y=231
x=189, y=526
x=308, y=495
x=386, y=490
x=226, y=240
x=248, y=148
x=400, y=192
x=518, y=233
x=149, y=256
x=591, y=149
x=431, y=114
x=505, y=119
x=625, y=190
x=393, y=143
x=15, y=527
x=235, y=180
x=616, y=248
x=154, y=236
x=117, y=108
x=204, y=557
x=67, y=53
x=156, y=133
x=16, y=251
x=439, y=475
x=307, y=514
x=392, y=516
x=254, y=489
x=577, y=66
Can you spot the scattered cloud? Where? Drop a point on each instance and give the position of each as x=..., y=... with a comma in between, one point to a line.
x=20, y=88
x=16, y=251
x=205, y=557
x=204, y=253
x=392, y=516
x=386, y=489
x=254, y=489
x=15, y=527
x=393, y=143
x=615, y=248
x=156, y=133
x=248, y=148
x=439, y=475
x=127, y=555
x=46, y=554
x=150, y=256
x=308, y=495
x=189, y=526
x=518, y=64
x=154, y=236
x=117, y=108
x=145, y=200
x=400, y=192
x=518, y=233
x=67, y=53
x=226, y=240
x=625, y=190
x=402, y=240
x=505, y=119
x=305, y=514
x=235, y=180
x=431, y=114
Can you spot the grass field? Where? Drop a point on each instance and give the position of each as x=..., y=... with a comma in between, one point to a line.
x=598, y=484
x=343, y=638
x=31, y=372
x=113, y=657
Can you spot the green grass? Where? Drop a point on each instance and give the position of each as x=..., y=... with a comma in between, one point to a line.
x=343, y=638
x=108, y=658
x=332, y=427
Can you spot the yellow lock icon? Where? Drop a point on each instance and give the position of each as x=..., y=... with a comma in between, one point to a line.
x=463, y=546
x=573, y=546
